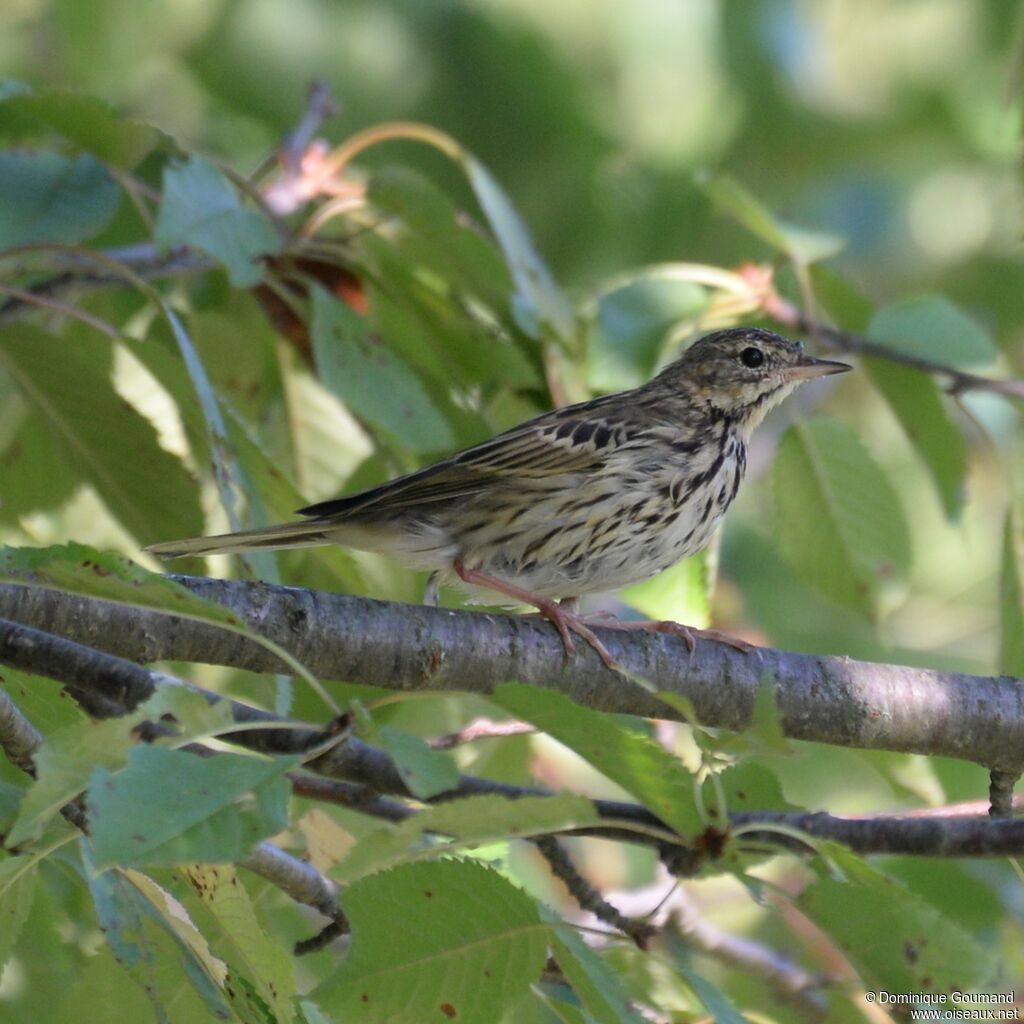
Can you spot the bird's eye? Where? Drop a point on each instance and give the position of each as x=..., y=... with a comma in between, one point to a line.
x=752, y=357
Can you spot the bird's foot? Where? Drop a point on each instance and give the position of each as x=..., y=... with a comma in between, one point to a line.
x=562, y=616
x=689, y=634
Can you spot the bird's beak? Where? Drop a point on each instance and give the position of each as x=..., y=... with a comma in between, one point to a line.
x=810, y=367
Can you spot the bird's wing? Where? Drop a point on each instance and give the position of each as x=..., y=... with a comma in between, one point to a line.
x=576, y=439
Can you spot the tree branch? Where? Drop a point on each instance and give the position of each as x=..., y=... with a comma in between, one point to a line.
x=821, y=698
x=947, y=832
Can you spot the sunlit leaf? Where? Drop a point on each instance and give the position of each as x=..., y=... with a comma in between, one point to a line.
x=202, y=210
x=839, y=522
x=53, y=198
x=99, y=434
x=469, y=946
x=262, y=964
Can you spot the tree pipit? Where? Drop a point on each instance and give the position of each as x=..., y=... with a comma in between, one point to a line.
x=588, y=498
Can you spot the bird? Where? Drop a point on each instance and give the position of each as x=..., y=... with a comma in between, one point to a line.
x=585, y=499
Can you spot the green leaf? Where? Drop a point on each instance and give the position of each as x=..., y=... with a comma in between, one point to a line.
x=627, y=757
x=472, y=821
x=425, y=771
x=1011, y=598
x=153, y=938
x=101, y=436
x=896, y=940
x=435, y=238
x=53, y=198
x=201, y=209
x=109, y=576
x=86, y=121
x=112, y=577
x=598, y=987
x=64, y=762
x=915, y=399
x=932, y=327
x=543, y=306
x=839, y=521
x=469, y=946
x=743, y=206
x=253, y=958
x=372, y=380
x=217, y=809
x=26, y=443
x=626, y=333
x=17, y=887
x=715, y=1001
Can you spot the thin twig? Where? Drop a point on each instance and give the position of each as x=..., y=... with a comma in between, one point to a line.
x=787, y=315
x=479, y=729
x=587, y=896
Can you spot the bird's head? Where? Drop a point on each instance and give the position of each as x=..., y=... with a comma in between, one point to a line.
x=743, y=372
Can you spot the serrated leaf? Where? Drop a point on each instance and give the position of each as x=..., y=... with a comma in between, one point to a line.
x=425, y=771
x=932, y=327
x=217, y=809
x=915, y=399
x=740, y=203
x=245, y=945
x=17, y=887
x=1011, y=598
x=101, y=436
x=839, y=522
x=202, y=210
x=88, y=122
x=545, y=308
x=627, y=330
x=896, y=940
x=597, y=986
x=375, y=384
x=627, y=757
x=470, y=945
x=64, y=762
x=54, y=198
x=471, y=821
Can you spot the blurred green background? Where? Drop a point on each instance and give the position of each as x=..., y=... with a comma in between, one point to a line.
x=894, y=124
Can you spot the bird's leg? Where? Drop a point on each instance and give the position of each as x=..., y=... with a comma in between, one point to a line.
x=689, y=634
x=432, y=591
x=562, y=616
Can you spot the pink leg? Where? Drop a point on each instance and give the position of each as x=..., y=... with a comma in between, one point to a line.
x=561, y=616
x=689, y=634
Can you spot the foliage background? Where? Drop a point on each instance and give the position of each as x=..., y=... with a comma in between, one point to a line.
x=893, y=125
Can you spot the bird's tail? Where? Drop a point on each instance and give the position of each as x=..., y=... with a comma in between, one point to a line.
x=285, y=535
